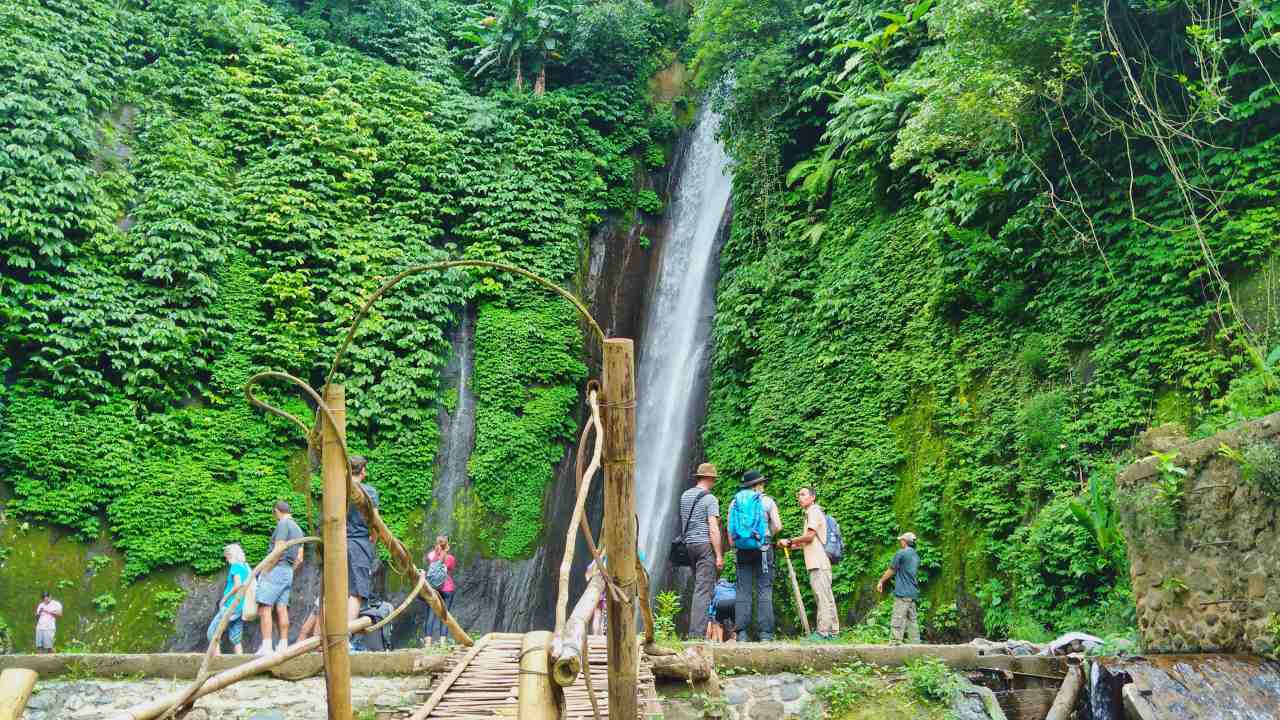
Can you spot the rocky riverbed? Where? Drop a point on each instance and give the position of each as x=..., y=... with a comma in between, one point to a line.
x=260, y=699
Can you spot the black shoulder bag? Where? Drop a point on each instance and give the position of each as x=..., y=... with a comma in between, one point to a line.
x=680, y=552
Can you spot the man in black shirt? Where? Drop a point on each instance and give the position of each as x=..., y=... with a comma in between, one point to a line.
x=360, y=548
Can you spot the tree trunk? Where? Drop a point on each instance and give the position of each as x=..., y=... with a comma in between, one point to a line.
x=567, y=650
x=620, y=522
x=519, y=76
x=540, y=85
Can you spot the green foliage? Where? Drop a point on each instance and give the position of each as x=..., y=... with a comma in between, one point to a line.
x=205, y=189
x=1262, y=467
x=665, y=611
x=524, y=34
x=968, y=249
x=849, y=686
x=105, y=603
x=98, y=562
x=166, y=605
x=931, y=680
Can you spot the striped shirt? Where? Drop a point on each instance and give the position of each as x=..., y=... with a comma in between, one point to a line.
x=699, y=528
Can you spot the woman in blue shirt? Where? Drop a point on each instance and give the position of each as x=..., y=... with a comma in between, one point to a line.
x=237, y=575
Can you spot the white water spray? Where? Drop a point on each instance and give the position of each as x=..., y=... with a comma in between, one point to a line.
x=675, y=346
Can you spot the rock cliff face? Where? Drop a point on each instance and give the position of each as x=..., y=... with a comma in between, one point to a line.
x=1205, y=568
x=492, y=594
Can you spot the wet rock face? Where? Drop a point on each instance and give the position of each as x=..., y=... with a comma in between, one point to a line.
x=1211, y=582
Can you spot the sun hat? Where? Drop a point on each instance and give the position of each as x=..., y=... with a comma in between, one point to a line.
x=706, y=470
x=752, y=478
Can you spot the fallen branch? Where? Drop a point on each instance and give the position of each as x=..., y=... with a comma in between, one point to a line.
x=154, y=708
x=203, y=673
x=583, y=486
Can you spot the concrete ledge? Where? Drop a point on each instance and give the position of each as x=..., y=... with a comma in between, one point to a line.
x=186, y=665
x=761, y=658
x=770, y=658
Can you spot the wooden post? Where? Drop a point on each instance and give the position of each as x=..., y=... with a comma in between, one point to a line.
x=620, y=522
x=337, y=662
x=535, y=697
x=15, y=689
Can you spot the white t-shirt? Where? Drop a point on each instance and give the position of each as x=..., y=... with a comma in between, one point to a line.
x=47, y=615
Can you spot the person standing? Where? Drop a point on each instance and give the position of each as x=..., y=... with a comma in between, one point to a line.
x=237, y=575
x=816, y=562
x=277, y=581
x=47, y=614
x=753, y=519
x=906, y=591
x=700, y=511
x=360, y=549
x=440, y=565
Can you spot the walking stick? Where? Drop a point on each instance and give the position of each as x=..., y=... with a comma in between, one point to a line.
x=795, y=590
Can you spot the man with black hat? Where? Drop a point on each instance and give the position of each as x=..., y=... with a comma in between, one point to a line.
x=700, y=514
x=753, y=520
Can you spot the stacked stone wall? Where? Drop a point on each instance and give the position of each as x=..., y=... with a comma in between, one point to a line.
x=1209, y=581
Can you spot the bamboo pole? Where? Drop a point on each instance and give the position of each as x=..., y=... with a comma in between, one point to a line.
x=567, y=649
x=160, y=705
x=795, y=592
x=584, y=485
x=536, y=698
x=620, y=521
x=337, y=663
x=1064, y=703
x=16, y=685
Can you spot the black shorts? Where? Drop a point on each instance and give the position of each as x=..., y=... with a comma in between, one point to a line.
x=359, y=568
x=725, y=610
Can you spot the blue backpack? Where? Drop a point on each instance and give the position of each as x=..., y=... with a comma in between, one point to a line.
x=834, y=544
x=748, y=523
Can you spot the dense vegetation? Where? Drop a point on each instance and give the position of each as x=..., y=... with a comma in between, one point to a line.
x=977, y=247
x=193, y=190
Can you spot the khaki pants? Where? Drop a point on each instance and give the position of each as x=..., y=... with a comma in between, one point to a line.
x=820, y=581
x=904, y=621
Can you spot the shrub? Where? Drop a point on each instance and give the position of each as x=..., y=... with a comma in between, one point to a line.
x=931, y=680
x=664, y=621
x=1261, y=467
x=106, y=602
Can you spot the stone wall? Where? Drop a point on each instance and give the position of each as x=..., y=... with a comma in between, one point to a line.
x=1205, y=570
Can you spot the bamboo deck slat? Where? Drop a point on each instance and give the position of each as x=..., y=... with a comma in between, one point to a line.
x=486, y=688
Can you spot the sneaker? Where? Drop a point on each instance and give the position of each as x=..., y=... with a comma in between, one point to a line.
x=264, y=649
x=282, y=646
x=817, y=637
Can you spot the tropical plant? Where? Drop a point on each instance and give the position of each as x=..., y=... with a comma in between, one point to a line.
x=525, y=34
x=1095, y=509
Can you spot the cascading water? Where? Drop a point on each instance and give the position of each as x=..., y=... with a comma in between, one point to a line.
x=676, y=339
x=459, y=432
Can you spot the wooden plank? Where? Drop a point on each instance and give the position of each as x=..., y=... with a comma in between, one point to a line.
x=447, y=681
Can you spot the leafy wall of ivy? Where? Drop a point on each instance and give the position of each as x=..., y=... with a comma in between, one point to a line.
x=196, y=190
x=961, y=279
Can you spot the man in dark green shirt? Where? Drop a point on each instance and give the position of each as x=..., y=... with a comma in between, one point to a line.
x=906, y=590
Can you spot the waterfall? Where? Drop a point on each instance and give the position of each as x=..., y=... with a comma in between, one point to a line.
x=459, y=429
x=675, y=344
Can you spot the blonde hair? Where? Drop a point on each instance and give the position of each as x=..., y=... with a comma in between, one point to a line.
x=233, y=553
x=442, y=543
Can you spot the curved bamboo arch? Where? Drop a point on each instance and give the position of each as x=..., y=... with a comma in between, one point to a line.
x=444, y=265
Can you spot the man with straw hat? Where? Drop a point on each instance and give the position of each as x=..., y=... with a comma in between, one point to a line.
x=902, y=569
x=700, y=518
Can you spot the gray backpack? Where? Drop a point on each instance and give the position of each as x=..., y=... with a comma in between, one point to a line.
x=834, y=544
